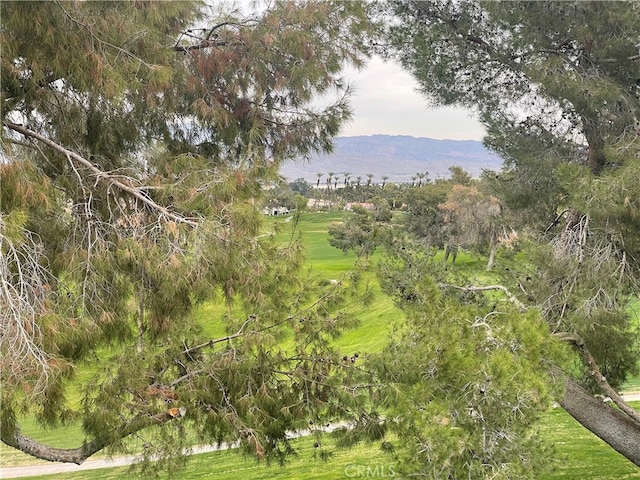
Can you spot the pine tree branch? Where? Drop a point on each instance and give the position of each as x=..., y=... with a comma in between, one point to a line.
x=100, y=175
x=521, y=306
x=600, y=379
x=210, y=40
x=211, y=343
x=101, y=41
x=11, y=435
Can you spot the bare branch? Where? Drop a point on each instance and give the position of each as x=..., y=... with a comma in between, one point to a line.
x=210, y=40
x=101, y=175
x=521, y=306
x=23, y=287
x=211, y=343
x=632, y=58
x=206, y=43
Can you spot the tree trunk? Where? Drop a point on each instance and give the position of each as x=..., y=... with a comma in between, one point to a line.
x=492, y=256
x=450, y=251
x=612, y=426
x=596, y=157
x=36, y=449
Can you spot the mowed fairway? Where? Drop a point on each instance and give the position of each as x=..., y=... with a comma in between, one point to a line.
x=330, y=263
x=580, y=455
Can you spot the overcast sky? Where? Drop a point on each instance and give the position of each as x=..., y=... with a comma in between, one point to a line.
x=385, y=101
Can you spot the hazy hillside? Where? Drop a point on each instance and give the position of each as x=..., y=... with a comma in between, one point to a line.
x=397, y=157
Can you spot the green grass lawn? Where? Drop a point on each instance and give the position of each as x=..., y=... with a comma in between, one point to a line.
x=325, y=260
x=632, y=385
x=581, y=455
x=578, y=455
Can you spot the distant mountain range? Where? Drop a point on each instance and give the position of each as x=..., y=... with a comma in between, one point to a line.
x=398, y=157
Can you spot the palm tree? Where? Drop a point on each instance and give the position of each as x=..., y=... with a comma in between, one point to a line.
x=369, y=177
x=318, y=182
x=384, y=180
x=329, y=179
x=358, y=180
x=347, y=176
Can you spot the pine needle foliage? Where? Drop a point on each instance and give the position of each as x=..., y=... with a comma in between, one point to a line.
x=465, y=383
x=557, y=86
x=136, y=139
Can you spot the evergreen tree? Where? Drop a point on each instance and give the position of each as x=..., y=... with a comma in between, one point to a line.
x=361, y=231
x=134, y=147
x=556, y=84
x=475, y=218
x=462, y=384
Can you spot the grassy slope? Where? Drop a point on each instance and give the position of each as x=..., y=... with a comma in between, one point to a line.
x=582, y=454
